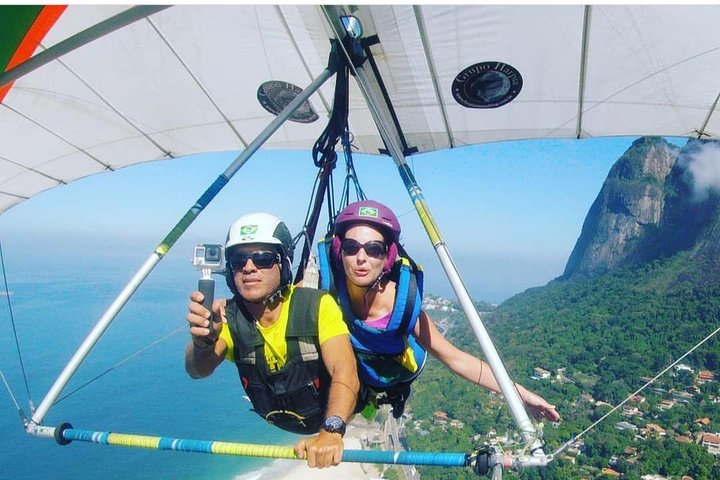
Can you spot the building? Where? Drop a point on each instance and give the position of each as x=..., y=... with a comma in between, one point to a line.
x=540, y=373
x=705, y=376
x=683, y=439
x=629, y=411
x=711, y=441
x=609, y=472
x=683, y=397
x=655, y=428
x=626, y=426
x=456, y=424
x=681, y=367
x=440, y=418
x=703, y=421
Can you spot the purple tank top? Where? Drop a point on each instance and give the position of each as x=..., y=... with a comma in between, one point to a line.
x=379, y=323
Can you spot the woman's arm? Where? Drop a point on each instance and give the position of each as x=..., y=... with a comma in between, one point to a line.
x=474, y=369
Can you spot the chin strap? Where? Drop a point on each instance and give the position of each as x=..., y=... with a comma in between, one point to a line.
x=372, y=287
x=274, y=297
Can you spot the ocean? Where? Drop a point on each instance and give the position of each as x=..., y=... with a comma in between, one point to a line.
x=56, y=298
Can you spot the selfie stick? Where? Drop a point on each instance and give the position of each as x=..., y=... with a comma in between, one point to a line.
x=206, y=286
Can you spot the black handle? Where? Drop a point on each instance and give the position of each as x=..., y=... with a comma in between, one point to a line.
x=207, y=288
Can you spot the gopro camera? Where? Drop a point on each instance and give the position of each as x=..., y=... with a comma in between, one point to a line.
x=208, y=256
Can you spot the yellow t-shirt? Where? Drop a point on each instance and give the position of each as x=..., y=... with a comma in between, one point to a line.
x=330, y=324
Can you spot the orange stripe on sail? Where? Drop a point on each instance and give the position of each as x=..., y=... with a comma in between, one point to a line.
x=37, y=31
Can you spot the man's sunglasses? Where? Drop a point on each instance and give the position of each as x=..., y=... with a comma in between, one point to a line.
x=373, y=248
x=260, y=258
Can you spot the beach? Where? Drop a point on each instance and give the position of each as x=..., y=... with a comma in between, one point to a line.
x=356, y=432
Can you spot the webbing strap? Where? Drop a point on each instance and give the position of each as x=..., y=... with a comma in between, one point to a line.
x=327, y=277
x=405, y=299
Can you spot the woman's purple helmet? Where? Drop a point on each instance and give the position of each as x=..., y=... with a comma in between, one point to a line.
x=372, y=213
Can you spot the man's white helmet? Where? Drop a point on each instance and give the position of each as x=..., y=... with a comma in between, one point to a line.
x=260, y=228
x=266, y=229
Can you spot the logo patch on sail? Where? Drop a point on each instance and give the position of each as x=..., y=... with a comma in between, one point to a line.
x=275, y=95
x=487, y=85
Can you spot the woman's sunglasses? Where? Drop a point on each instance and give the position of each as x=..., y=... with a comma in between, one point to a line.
x=261, y=259
x=373, y=248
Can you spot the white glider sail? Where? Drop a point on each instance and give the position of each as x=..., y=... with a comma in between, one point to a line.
x=192, y=79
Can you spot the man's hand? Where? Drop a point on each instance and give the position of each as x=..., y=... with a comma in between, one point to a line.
x=323, y=450
x=202, y=357
x=199, y=318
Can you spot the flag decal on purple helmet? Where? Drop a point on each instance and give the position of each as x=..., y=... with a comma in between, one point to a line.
x=368, y=212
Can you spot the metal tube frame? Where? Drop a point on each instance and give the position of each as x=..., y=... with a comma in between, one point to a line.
x=137, y=279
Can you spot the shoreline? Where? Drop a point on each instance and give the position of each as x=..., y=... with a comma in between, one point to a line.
x=356, y=432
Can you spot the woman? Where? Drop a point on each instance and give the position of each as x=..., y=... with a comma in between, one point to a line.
x=380, y=293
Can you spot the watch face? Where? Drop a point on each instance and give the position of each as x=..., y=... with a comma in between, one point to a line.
x=334, y=424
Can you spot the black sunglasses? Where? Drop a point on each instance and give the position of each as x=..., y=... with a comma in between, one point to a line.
x=260, y=258
x=373, y=248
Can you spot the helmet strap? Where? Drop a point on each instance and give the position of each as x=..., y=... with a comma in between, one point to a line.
x=272, y=299
x=377, y=281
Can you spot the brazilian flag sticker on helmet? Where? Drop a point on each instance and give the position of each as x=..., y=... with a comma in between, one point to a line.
x=368, y=212
x=248, y=229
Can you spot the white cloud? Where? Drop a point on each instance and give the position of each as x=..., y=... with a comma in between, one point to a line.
x=704, y=165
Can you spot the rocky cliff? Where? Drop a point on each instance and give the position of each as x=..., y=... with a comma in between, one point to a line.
x=657, y=200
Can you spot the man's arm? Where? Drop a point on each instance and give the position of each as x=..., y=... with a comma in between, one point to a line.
x=325, y=449
x=340, y=362
x=201, y=357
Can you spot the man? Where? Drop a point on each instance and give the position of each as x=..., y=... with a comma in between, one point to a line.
x=290, y=345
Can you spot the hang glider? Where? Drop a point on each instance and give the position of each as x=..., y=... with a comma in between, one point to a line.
x=88, y=89
x=149, y=83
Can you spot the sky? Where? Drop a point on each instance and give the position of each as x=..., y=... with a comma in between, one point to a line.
x=510, y=213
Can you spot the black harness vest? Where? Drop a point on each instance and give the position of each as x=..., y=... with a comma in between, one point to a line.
x=293, y=398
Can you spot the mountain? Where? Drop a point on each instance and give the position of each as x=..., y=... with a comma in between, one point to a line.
x=640, y=290
x=658, y=200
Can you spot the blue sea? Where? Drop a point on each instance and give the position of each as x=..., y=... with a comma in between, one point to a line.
x=57, y=295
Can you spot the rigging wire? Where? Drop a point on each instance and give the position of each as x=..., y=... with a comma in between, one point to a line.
x=325, y=158
x=12, y=322
x=577, y=437
x=21, y=412
x=351, y=178
x=121, y=362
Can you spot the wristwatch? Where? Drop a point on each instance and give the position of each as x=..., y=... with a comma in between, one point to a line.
x=334, y=424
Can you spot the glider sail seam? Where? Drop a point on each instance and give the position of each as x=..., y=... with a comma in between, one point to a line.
x=299, y=52
x=420, y=20
x=583, y=68
x=701, y=131
x=198, y=82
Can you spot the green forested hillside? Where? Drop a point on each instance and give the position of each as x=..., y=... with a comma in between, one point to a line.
x=615, y=328
x=606, y=333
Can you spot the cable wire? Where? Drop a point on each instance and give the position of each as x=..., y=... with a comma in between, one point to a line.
x=120, y=363
x=577, y=437
x=21, y=412
x=14, y=329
